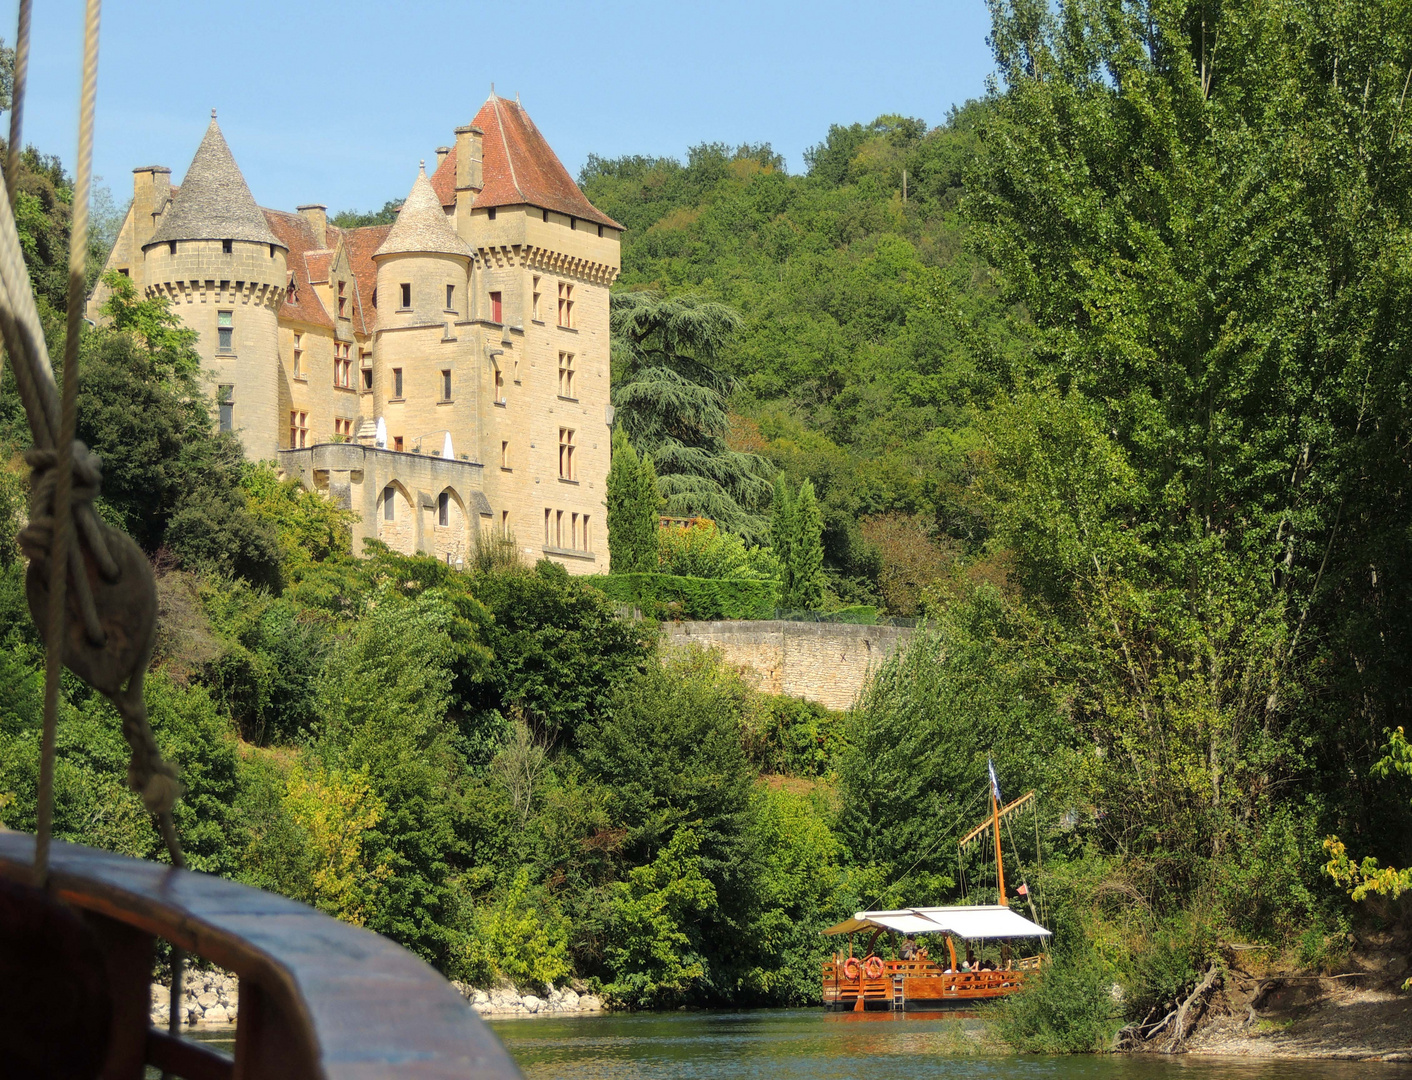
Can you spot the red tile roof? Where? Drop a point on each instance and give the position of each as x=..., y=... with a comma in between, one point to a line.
x=295, y=233
x=360, y=245
x=318, y=264
x=518, y=167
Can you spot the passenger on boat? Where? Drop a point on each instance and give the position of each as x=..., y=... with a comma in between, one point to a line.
x=908, y=948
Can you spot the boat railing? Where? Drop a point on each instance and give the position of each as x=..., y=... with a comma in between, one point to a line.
x=318, y=999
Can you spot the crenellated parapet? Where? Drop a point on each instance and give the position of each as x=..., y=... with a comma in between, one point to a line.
x=211, y=291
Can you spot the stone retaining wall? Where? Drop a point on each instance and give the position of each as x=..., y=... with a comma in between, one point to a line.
x=504, y=1001
x=826, y=663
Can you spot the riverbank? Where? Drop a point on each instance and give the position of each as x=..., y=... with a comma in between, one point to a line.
x=505, y=1001
x=212, y=999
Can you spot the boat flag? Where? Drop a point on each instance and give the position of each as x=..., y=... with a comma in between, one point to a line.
x=994, y=783
x=1023, y=890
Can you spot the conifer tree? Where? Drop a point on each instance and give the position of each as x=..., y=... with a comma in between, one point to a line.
x=647, y=514
x=782, y=536
x=806, y=556
x=622, y=498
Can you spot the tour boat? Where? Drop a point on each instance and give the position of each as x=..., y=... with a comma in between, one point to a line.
x=863, y=980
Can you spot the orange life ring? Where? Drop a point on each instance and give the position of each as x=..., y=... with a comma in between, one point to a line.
x=850, y=968
x=873, y=967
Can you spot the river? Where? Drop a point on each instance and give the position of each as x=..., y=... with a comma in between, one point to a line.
x=809, y=1044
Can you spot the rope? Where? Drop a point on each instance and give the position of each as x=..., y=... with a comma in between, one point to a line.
x=17, y=97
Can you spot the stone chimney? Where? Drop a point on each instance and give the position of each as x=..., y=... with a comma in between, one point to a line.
x=316, y=214
x=468, y=158
x=441, y=152
x=151, y=191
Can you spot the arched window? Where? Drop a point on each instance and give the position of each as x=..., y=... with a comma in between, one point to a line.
x=389, y=503
x=443, y=509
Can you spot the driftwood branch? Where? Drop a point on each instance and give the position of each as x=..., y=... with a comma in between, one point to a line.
x=1176, y=1026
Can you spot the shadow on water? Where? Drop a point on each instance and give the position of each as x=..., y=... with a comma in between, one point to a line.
x=796, y=1044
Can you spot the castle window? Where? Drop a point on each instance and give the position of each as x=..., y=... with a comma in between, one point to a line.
x=574, y=531
x=227, y=246
x=171, y=247
x=298, y=356
x=446, y=386
x=499, y=387
x=397, y=443
x=566, y=454
x=566, y=375
x=342, y=428
x=586, y=545
x=272, y=251
x=342, y=301
x=451, y=298
x=406, y=295
x=298, y=430
x=573, y=223
x=566, y=304
x=342, y=365
x=504, y=454
x=548, y=540
x=558, y=528
x=443, y=509
x=600, y=234
x=225, y=404
x=505, y=524
x=225, y=331
x=546, y=215
x=497, y=311
x=534, y=308
x=397, y=382
x=367, y=378
x=490, y=214
x=389, y=504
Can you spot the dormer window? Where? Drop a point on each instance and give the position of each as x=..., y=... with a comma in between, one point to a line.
x=342, y=300
x=406, y=295
x=227, y=246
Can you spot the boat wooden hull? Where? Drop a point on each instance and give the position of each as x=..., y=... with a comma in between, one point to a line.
x=918, y=986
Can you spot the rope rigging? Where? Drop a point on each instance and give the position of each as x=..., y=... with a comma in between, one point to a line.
x=89, y=587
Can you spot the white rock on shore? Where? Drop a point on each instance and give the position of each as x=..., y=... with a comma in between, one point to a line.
x=213, y=998
x=506, y=1001
x=207, y=997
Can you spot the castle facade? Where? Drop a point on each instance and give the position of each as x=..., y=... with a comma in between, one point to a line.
x=443, y=375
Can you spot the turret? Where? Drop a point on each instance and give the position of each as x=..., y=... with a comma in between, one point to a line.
x=214, y=256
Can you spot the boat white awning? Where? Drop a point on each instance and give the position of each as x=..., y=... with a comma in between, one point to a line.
x=973, y=921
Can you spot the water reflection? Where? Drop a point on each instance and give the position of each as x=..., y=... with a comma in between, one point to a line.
x=808, y=1043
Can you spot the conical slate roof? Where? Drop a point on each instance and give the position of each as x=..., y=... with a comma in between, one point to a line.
x=421, y=225
x=214, y=202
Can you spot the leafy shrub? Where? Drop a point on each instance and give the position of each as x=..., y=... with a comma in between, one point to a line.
x=663, y=596
x=792, y=736
x=700, y=549
x=1067, y=1009
x=517, y=939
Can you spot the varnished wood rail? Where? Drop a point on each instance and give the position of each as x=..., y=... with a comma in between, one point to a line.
x=319, y=999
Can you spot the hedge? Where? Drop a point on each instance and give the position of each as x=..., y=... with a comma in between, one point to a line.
x=672, y=596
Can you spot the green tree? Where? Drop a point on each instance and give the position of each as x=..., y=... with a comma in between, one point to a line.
x=783, y=528
x=806, y=551
x=634, y=507
x=670, y=396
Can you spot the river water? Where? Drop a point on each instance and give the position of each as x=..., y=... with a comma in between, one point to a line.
x=809, y=1044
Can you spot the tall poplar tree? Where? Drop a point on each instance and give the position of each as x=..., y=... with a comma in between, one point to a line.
x=782, y=536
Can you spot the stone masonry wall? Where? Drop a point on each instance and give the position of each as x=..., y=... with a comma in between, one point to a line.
x=827, y=663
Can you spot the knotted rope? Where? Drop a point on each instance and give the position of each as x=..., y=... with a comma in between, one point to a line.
x=99, y=572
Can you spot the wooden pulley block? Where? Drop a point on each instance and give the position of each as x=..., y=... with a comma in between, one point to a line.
x=55, y=1004
x=127, y=611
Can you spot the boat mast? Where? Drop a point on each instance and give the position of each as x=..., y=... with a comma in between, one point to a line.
x=995, y=819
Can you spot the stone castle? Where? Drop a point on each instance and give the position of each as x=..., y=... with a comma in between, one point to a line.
x=441, y=375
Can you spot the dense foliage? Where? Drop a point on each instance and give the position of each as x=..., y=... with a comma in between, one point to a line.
x=1115, y=398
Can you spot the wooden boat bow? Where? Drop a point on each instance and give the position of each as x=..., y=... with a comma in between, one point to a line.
x=318, y=998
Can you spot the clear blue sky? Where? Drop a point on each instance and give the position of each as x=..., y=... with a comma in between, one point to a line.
x=335, y=102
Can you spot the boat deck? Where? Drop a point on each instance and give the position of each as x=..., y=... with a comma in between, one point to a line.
x=913, y=985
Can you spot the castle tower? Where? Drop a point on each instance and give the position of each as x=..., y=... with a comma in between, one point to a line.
x=214, y=256
x=421, y=369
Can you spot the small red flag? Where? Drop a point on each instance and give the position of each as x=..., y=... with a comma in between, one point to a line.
x=1023, y=890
